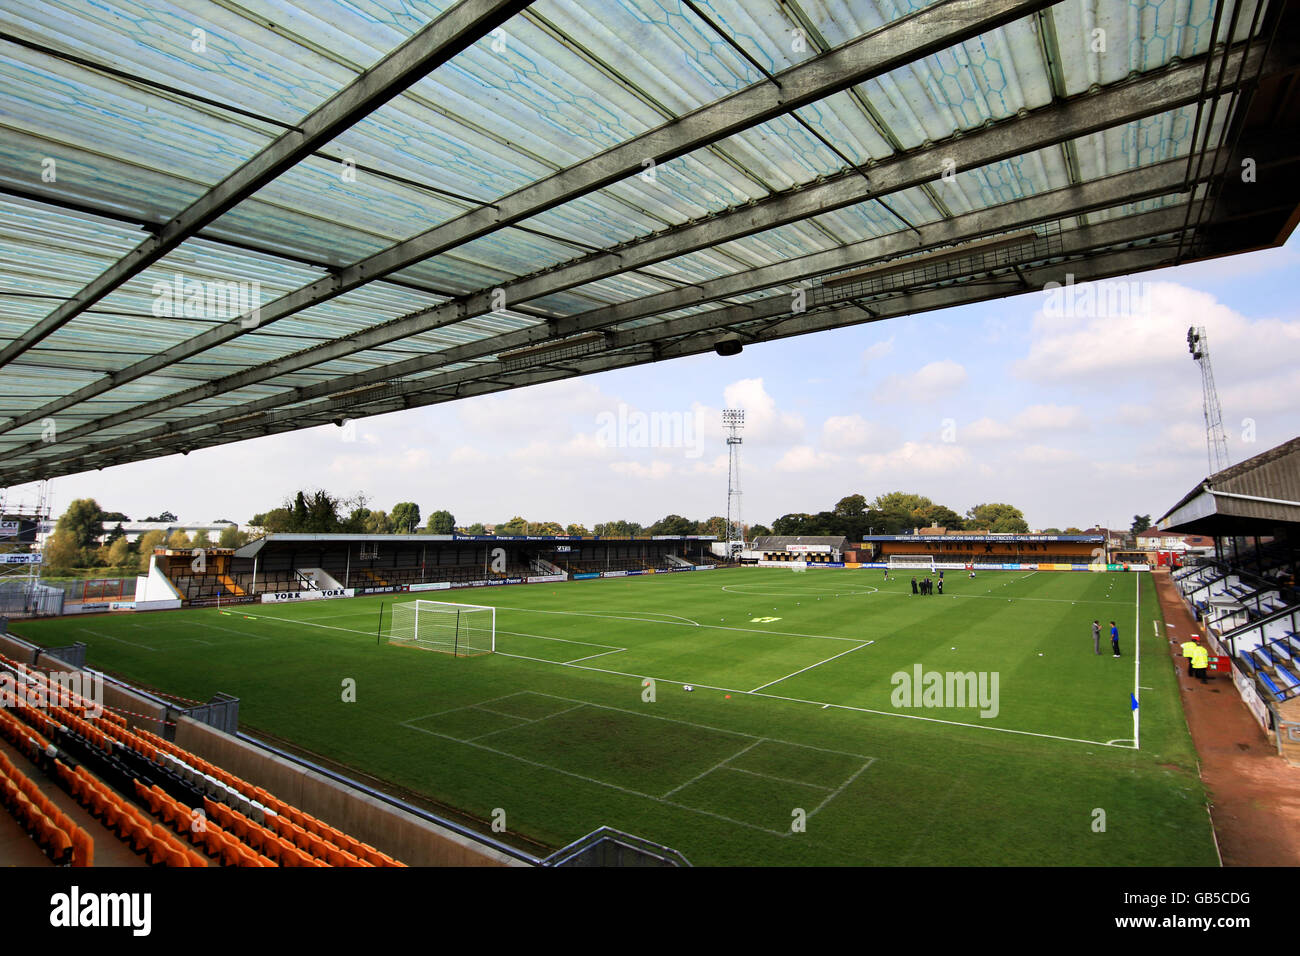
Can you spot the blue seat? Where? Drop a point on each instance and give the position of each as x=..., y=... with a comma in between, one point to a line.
x=1247, y=662
x=1287, y=677
x=1272, y=687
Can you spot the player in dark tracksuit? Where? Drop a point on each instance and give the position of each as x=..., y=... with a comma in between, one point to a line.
x=914, y=589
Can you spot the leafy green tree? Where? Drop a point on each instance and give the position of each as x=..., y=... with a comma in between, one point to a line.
x=117, y=532
x=405, y=517
x=201, y=539
x=795, y=524
x=1051, y=531
x=1073, y=531
x=1140, y=523
x=851, y=506
x=939, y=516
x=577, y=529
x=144, y=547
x=618, y=529
x=475, y=528
x=119, y=553
x=277, y=520
x=232, y=537
x=442, y=522
x=83, y=523
x=673, y=524
x=759, y=530
x=60, y=552
x=716, y=526
x=545, y=527
x=165, y=516
x=515, y=526
x=900, y=501
x=178, y=541
x=997, y=518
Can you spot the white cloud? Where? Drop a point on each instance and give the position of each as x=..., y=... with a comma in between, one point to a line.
x=915, y=459
x=1046, y=455
x=841, y=432
x=654, y=471
x=927, y=383
x=1041, y=418
x=984, y=429
x=805, y=458
x=877, y=350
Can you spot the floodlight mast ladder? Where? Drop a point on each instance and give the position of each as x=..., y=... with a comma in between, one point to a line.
x=1216, y=439
x=733, y=420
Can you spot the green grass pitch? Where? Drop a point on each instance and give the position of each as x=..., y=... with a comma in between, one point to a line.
x=790, y=750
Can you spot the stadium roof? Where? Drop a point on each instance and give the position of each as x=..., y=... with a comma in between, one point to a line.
x=222, y=221
x=1252, y=497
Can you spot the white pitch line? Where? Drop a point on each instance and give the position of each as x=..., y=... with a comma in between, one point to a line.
x=809, y=667
x=841, y=787
x=716, y=627
x=1137, y=654
x=110, y=637
x=716, y=766
x=617, y=650
x=820, y=703
x=523, y=721
x=768, y=776
x=600, y=783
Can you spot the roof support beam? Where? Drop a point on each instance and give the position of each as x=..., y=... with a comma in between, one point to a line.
x=1109, y=264
x=874, y=54
x=436, y=43
x=1131, y=186
x=1121, y=103
x=682, y=336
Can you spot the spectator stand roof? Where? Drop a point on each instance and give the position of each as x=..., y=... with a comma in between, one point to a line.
x=224, y=221
x=1253, y=497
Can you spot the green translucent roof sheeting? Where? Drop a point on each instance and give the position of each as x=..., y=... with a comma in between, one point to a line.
x=225, y=221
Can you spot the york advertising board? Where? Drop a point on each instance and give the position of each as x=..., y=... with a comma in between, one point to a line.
x=280, y=597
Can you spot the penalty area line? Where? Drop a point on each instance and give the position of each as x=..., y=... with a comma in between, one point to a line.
x=825, y=704
x=810, y=667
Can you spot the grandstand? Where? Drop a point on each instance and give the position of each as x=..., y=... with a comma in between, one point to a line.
x=342, y=564
x=1244, y=596
x=1047, y=552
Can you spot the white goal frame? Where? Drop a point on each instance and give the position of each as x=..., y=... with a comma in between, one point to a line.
x=914, y=561
x=462, y=630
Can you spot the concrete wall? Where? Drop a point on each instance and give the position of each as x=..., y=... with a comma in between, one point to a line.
x=399, y=834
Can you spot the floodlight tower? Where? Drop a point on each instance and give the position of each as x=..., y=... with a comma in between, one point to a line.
x=1215, y=438
x=733, y=420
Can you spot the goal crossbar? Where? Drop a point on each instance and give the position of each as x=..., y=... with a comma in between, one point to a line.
x=463, y=630
x=925, y=561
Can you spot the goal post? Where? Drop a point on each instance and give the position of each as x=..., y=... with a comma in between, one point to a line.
x=916, y=562
x=463, y=630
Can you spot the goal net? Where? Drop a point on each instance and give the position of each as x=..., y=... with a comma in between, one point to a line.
x=464, y=630
x=916, y=561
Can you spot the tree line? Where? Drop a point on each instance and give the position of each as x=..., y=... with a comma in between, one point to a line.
x=80, y=538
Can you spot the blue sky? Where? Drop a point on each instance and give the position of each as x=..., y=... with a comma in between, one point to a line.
x=1077, y=419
